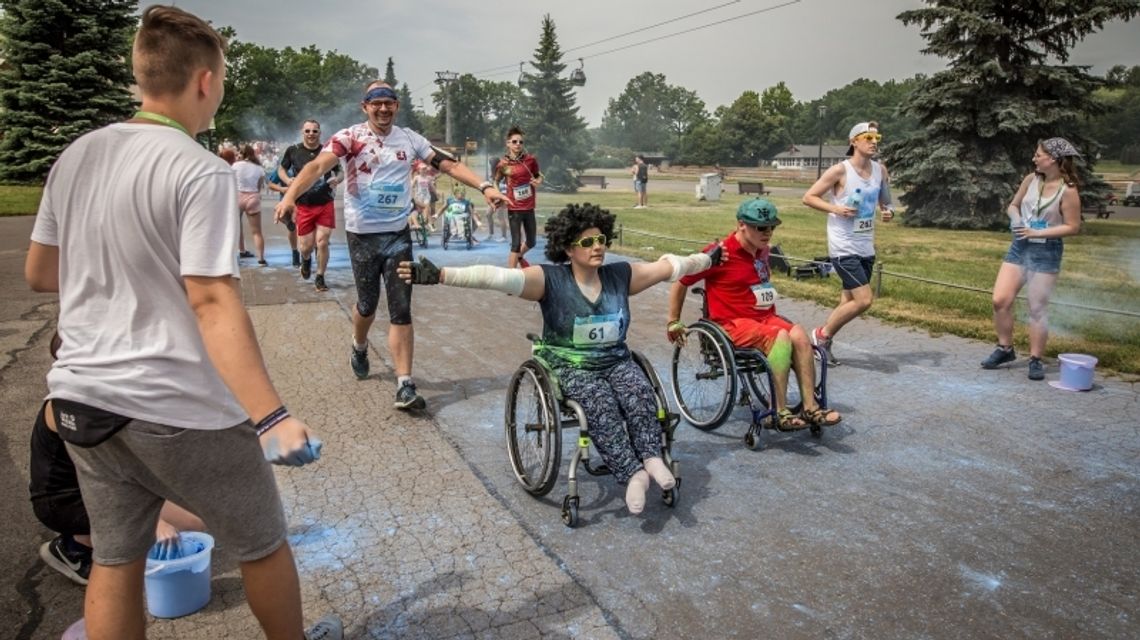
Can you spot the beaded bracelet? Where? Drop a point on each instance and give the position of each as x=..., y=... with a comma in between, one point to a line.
x=271, y=420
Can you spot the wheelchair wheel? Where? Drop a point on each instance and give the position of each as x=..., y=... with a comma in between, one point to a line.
x=533, y=423
x=704, y=377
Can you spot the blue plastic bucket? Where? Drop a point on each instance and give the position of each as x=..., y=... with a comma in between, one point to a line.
x=176, y=588
x=1077, y=371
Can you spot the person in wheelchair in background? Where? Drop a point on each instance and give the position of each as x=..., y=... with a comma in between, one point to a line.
x=742, y=300
x=585, y=312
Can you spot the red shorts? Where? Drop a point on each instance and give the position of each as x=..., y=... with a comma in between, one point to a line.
x=310, y=216
x=249, y=202
x=748, y=332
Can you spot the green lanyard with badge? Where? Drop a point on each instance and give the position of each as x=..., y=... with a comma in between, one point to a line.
x=1037, y=221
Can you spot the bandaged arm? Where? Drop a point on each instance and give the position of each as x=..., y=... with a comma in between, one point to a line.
x=484, y=277
x=686, y=265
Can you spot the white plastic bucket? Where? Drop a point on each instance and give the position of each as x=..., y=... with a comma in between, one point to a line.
x=1077, y=371
x=176, y=588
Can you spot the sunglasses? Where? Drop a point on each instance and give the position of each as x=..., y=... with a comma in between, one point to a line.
x=869, y=137
x=589, y=241
x=312, y=130
x=763, y=229
x=514, y=141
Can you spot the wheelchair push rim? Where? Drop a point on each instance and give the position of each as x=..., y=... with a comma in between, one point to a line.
x=532, y=428
x=703, y=377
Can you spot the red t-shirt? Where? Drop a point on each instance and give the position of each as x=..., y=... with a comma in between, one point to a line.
x=730, y=286
x=519, y=174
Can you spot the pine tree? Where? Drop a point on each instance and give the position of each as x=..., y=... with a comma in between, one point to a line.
x=555, y=133
x=67, y=73
x=981, y=118
x=390, y=74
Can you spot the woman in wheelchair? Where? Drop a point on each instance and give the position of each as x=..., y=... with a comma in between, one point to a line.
x=585, y=312
x=742, y=300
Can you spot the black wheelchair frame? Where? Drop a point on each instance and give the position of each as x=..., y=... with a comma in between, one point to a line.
x=536, y=412
x=740, y=376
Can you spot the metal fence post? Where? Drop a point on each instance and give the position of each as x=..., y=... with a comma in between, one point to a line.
x=620, y=238
x=878, y=279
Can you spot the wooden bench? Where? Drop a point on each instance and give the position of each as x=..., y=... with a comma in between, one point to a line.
x=593, y=181
x=1101, y=210
x=751, y=186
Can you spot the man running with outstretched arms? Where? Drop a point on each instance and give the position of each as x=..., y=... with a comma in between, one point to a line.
x=377, y=157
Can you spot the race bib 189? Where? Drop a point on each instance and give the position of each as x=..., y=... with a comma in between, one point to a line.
x=596, y=330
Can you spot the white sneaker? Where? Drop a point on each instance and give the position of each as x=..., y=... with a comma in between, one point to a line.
x=327, y=628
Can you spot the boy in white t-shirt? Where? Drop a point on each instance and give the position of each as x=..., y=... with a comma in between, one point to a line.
x=159, y=371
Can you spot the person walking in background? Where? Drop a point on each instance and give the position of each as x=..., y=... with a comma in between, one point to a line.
x=640, y=173
x=159, y=370
x=1045, y=209
x=520, y=171
x=315, y=216
x=849, y=194
x=250, y=179
x=378, y=156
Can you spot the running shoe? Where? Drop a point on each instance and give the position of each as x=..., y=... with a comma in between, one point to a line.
x=263, y=262
x=306, y=267
x=824, y=343
x=407, y=398
x=245, y=254
x=1000, y=356
x=523, y=264
x=296, y=258
x=359, y=362
x=327, y=628
x=1036, y=368
x=319, y=282
x=67, y=557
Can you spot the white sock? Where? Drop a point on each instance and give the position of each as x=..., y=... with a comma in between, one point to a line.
x=401, y=380
x=359, y=347
x=635, y=492
x=661, y=474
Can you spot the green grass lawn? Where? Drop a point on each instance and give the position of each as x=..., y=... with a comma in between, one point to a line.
x=1101, y=269
x=19, y=200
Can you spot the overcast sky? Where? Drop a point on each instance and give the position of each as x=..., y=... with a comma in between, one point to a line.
x=812, y=45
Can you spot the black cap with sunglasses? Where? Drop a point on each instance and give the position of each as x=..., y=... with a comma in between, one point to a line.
x=758, y=212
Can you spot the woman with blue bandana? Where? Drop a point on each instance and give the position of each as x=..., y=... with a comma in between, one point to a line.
x=1046, y=208
x=585, y=313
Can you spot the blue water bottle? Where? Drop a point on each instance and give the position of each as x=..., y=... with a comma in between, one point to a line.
x=855, y=199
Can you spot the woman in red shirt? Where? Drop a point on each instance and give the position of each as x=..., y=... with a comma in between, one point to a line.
x=520, y=170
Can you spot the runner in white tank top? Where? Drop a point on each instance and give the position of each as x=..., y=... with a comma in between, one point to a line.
x=849, y=194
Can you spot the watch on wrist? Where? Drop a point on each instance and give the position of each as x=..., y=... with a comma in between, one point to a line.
x=486, y=185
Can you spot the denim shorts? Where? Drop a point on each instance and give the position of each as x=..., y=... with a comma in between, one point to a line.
x=1039, y=257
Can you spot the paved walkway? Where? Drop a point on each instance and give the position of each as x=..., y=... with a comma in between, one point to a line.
x=951, y=503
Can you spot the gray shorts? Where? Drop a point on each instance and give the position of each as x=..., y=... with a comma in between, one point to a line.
x=221, y=476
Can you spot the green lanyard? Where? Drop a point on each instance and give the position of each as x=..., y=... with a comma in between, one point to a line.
x=161, y=119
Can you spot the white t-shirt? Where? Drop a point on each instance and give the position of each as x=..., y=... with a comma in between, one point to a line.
x=133, y=208
x=249, y=176
x=377, y=169
x=855, y=236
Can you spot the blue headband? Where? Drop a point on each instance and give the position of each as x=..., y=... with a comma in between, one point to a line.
x=376, y=93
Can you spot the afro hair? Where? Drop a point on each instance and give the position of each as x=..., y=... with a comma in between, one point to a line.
x=565, y=227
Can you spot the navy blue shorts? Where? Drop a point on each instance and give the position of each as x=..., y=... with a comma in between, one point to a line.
x=854, y=271
x=1039, y=257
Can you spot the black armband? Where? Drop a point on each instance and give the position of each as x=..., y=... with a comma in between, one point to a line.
x=439, y=155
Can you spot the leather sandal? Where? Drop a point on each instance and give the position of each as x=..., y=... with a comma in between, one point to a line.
x=819, y=417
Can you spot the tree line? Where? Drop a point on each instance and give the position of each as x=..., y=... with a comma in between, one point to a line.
x=957, y=141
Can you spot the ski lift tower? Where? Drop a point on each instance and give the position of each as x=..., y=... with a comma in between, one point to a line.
x=446, y=78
